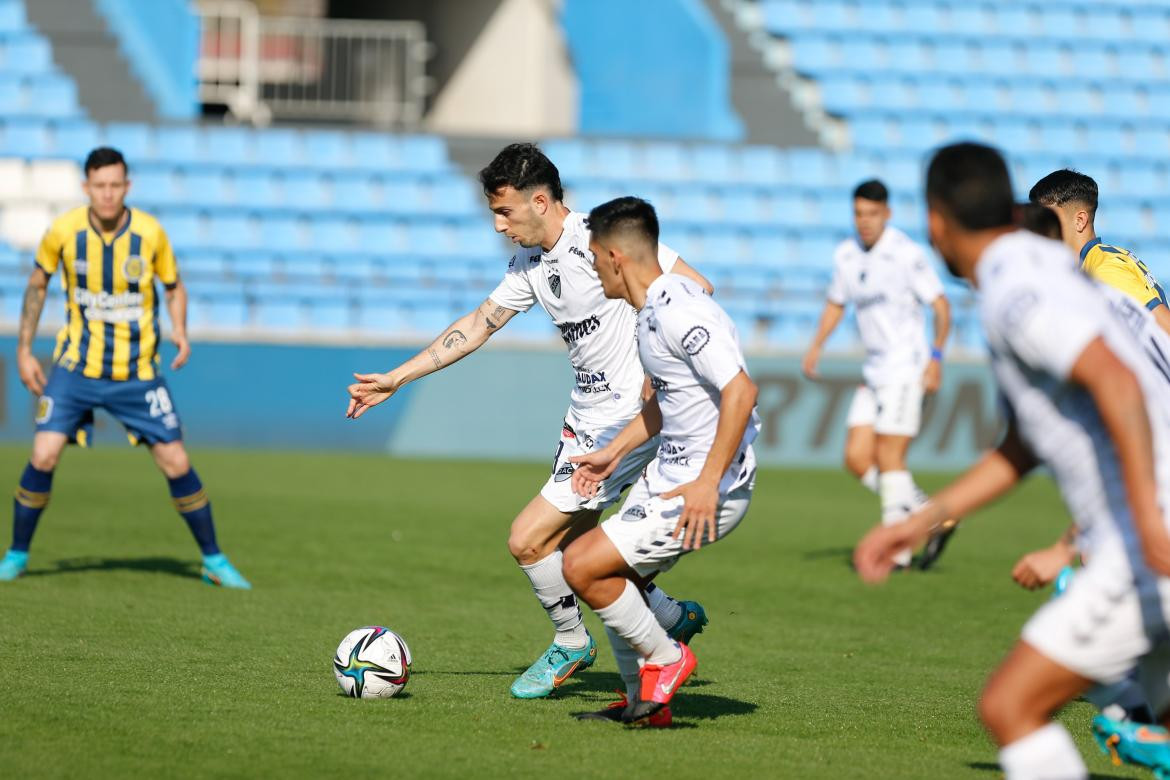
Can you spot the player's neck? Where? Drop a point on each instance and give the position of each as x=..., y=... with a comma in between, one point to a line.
x=638, y=279
x=555, y=226
x=107, y=226
x=1086, y=238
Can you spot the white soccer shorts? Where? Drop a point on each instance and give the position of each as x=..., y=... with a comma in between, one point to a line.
x=578, y=438
x=1105, y=624
x=643, y=531
x=893, y=409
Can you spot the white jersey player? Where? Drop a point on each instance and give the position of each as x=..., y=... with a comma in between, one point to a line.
x=553, y=267
x=699, y=485
x=888, y=280
x=1086, y=403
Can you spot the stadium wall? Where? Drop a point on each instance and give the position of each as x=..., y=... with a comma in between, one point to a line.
x=503, y=403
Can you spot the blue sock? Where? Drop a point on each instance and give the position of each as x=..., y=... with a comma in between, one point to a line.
x=30, y=500
x=192, y=504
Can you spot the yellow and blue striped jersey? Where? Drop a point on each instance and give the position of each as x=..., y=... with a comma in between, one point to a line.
x=111, y=328
x=1120, y=269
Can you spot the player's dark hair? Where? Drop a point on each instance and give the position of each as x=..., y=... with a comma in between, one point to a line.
x=971, y=183
x=1066, y=186
x=626, y=215
x=1041, y=220
x=103, y=156
x=522, y=167
x=872, y=189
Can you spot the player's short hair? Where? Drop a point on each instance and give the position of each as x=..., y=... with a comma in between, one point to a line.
x=971, y=183
x=1040, y=220
x=522, y=167
x=1066, y=186
x=103, y=156
x=872, y=189
x=625, y=215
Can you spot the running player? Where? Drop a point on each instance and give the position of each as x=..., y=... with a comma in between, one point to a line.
x=553, y=267
x=107, y=355
x=888, y=280
x=1073, y=196
x=1087, y=404
x=698, y=487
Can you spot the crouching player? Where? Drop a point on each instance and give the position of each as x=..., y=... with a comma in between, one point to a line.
x=1085, y=402
x=699, y=485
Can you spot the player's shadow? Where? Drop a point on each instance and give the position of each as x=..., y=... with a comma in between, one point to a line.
x=844, y=554
x=991, y=766
x=155, y=565
x=691, y=708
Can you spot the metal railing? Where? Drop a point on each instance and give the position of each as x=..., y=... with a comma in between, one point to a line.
x=263, y=68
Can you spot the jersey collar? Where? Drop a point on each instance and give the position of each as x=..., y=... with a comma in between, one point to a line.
x=1087, y=247
x=118, y=233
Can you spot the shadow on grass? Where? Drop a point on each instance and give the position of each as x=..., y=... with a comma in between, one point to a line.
x=691, y=707
x=991, y=766
x=845, y=554
x=157, y=565
x=399, y=697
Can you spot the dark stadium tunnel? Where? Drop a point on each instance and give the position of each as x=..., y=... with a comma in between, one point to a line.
x=155, y=564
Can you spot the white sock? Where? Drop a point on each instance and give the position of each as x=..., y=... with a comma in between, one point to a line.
x=899, y=497
x=869, y=480
x=632, y=620
x=627, y=662
x=1046, y=754
x=555, y=595
x=666, y=610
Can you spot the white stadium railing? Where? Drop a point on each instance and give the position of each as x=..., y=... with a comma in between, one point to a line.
x=302, y=68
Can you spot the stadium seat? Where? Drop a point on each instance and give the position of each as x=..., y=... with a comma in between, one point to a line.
x=13, y=180
x=136, y=142
x=74, y=139
x=25, y=52
x=54, y=180
x=279, y=314
x=22, y=225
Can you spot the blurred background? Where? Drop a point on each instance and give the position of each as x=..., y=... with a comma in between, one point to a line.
x=314, y=163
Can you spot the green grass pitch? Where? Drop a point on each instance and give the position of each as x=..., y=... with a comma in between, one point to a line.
x=115, y=660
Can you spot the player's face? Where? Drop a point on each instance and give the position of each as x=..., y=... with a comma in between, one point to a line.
x=519, y=216
x=870, y=218
x=606, y=264
x=106, y=188
x=938, y=229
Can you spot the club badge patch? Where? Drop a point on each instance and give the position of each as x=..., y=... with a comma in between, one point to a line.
x=133, y=268
x=554, y=283
x=695, y=339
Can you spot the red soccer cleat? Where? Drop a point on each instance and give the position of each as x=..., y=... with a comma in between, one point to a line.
x=661, y=719
x=659, y=683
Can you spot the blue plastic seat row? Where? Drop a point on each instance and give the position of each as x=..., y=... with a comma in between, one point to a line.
x=12, y=18
x=48, y=95
x=24, y=52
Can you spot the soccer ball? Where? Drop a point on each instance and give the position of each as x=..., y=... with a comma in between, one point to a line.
x=372, y=663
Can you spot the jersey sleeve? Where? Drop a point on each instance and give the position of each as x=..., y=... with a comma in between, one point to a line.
x=49, y=252
x=667, y=257
x=1042, y=333
x=166, y=268
x=705, y=341
x=923, y=280
x=515, y=290
x=1126, y=280
x=837, y=293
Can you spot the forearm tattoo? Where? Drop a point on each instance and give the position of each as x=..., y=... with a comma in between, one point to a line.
x=493, y=318
x=435, y=357
x=30, y=313
x=455, y=340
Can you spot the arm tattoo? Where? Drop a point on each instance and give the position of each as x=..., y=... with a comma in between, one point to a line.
x=30, y=313
x=455, y=340
x=435, y=357
x=498, y=312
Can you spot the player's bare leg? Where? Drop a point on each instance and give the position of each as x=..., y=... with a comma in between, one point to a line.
x=1017, y=706
x=30, y=500
x=861, y=455
x=192, y=503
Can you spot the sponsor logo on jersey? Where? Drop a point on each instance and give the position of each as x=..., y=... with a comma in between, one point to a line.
x=695, y=339
x=673, y=454
x=554, y=284
x=564, y=472
x=592, y=381
x=572, y=332
x=575, y=251
x=110, y=307
x=870, y=300
x=636, y=512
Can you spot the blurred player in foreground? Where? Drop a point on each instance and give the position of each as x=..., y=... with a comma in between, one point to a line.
x=553, y=268
x=1085, y=403
x=698, y=487
x=888, y=279
x=107, y=355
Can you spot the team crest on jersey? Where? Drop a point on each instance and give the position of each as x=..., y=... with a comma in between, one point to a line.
x=554, y=283
x=133, y=268
x=695, y=339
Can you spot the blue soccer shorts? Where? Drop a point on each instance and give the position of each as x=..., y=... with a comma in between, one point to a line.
x=144, y=407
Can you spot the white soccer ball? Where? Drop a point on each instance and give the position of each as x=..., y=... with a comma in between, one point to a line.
x=372, y=663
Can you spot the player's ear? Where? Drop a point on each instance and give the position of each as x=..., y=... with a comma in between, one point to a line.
x=1081, y=220
x=540, y=202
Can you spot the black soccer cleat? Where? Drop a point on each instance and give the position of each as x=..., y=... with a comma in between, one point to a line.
x=933, y=549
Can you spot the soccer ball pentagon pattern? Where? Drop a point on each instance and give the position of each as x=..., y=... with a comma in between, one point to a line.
x=372, y=663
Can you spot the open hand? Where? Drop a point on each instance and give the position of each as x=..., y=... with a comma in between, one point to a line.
x=591, y=470
x=700, y=504
x=184, y=347
x=31, y=374
x=369, y=390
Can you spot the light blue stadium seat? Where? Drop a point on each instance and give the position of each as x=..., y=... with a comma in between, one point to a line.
x=1152, y=141
x=760, y=164
x=570, y=157
x=12, y=93
x=25, y=137
x=257, y=188
x=374, y=151
x=75, y=138
x=25, y=52
x=254, y=265
x=333, y=234
x=180, y=143
x=814, y=53
x=304, y=190
x=282, y=232
x=228, y=145
x=201, y=263
x=458, y=197
x=184, y=228
x=810, y=167
x=1105, y=137
x=328, y=150
x=713, y=163
x=359, y=193
x=422, y=153
x=665, y=162
x=918, y=132
x=204, y=186
x=610, y=156
x=971, y=18
x=52, y=95
x=330, y=314
x=12, y=17
x=996, y=57
x=280, y=148
x=381, y=236
x=1151, y=24
x=135, y=141
x=382, y=319
x=279, y=314
x=231, y=229
x=153, y=187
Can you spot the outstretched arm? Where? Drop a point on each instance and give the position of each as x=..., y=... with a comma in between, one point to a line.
x=464, y=336
x=31, y=374
x=830, y=319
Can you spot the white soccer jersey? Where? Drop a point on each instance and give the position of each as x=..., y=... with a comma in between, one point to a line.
x=1040, y=313
x=888, y=286
x=1142, y=326
x=598, y=331
x=690, y=349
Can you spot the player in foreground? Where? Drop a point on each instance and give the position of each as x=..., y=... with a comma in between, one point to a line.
x=698, y=487
x=888, y=279
x=1084, y=402
x=107, y=355
x=553, y=267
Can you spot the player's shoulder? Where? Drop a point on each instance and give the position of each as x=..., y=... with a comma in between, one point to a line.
x=1020, y=271
x=523, y=259
x=71, y=221
x=846, y=251
x=901, y=246
x=679, y=302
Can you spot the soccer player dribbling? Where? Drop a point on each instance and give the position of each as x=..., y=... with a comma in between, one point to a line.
x=699, y=485
x=1084, y=402
x=107, y=355
x=553, y=267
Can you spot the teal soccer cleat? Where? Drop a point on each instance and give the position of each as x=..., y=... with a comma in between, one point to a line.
x=12, y=565
x=218, y=570
x=553, y=668
x=1132, y=743
x=694, y=617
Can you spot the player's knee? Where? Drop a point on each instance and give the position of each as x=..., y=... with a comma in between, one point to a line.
x=998, y=711
x=45, y=459
x=857, y=461
x=522, y=547
x=172, y=461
